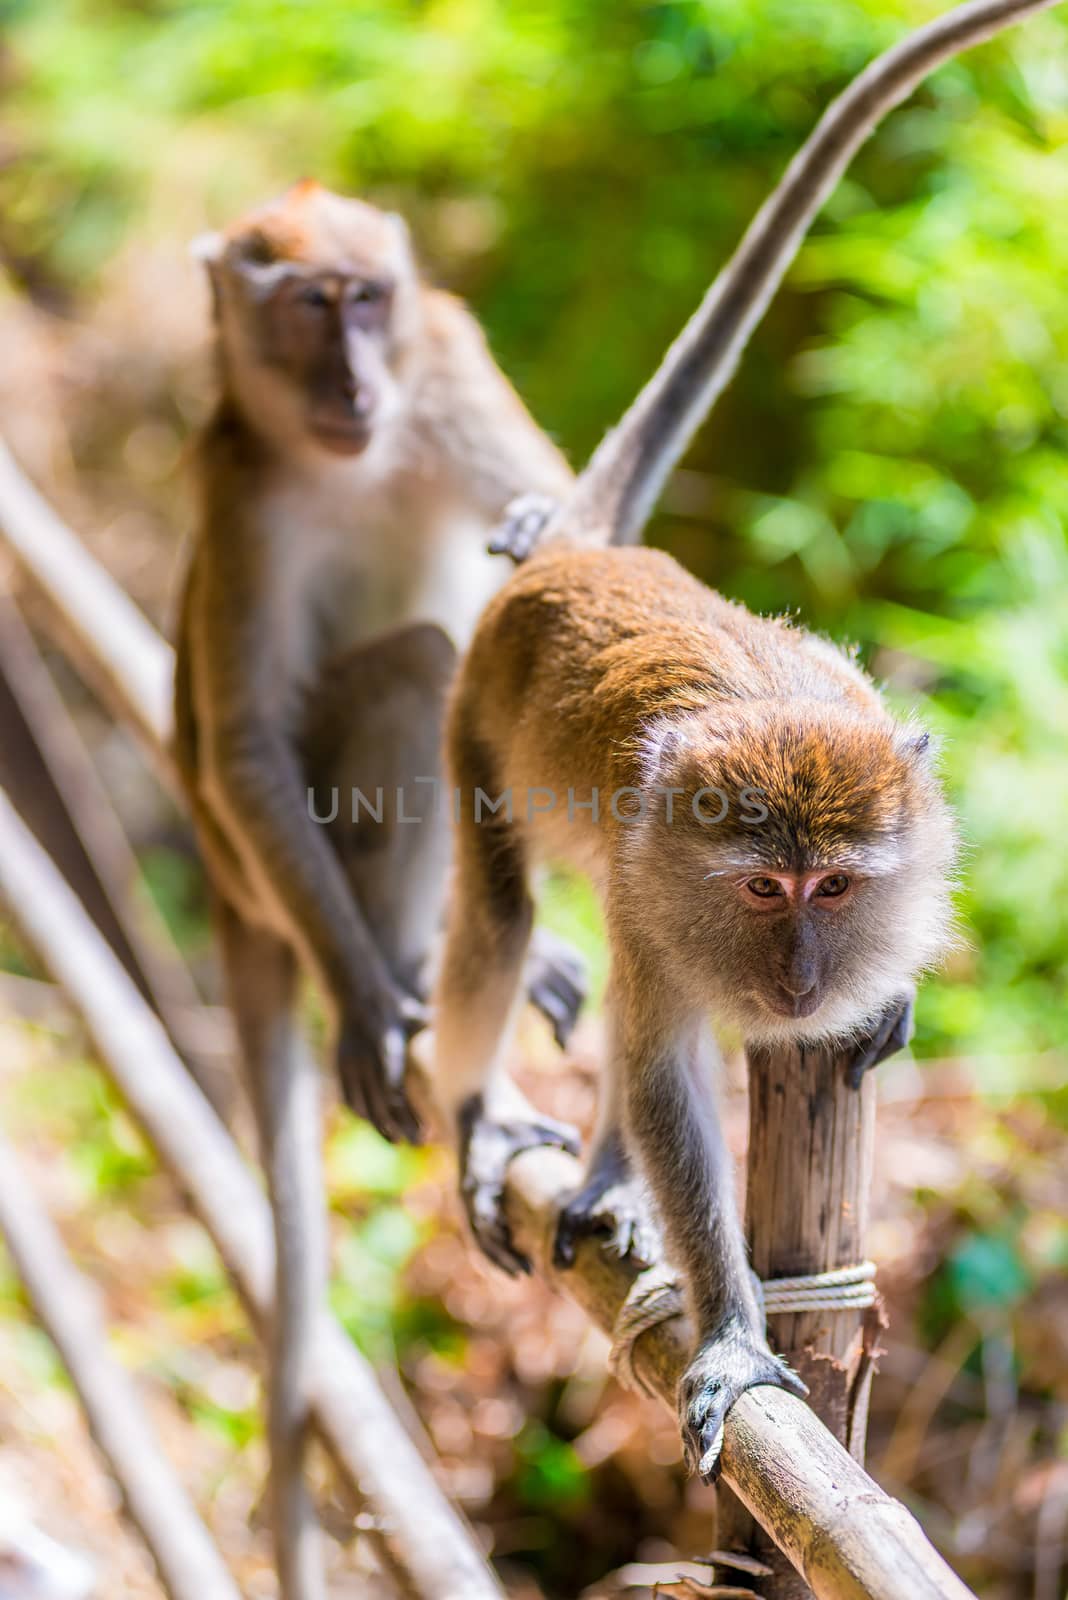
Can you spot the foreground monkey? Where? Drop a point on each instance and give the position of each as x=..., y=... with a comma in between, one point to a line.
x=364, y=447
x=768, y=843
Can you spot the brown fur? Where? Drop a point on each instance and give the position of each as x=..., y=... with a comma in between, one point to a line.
x=615, y=670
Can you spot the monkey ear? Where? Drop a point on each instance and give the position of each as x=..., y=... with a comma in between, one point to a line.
x=662, y=744
x=921, y=744
x=208, y=248
x=401, y=232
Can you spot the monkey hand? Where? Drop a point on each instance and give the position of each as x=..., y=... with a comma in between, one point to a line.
x=371, y=1060
x=890, y=1034
x=556, y=983
x=521, y=526
x=611, y=1210
x=486, y=1150
x=733, y=1360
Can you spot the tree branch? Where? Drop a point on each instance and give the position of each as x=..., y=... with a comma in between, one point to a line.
x=188, y=1563
x=425, y=1540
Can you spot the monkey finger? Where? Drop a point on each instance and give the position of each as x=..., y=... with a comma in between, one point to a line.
x=415, y=1015
x=487, y=1149
x=524, y=519
x=363, y=1075
x=891, y=1034
x=616, y=1214
x=401, y=1115
x=722, y=1370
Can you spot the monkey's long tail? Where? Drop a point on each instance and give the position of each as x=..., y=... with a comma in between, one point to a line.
x=618, y=489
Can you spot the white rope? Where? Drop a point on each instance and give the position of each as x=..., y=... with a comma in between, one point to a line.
x=656, y=1296
x=843, y=1289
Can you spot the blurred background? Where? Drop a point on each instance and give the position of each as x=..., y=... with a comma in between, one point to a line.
x=891, y=463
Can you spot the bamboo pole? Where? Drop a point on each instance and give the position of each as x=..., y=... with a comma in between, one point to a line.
x=428, y=1546
x=849, y=1539
x=187, y=1561
x=809, y=1169
x=49, y=776
x=129, y=664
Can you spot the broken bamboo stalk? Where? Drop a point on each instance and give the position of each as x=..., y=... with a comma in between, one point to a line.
x=189, y=1565
x=426, y=1542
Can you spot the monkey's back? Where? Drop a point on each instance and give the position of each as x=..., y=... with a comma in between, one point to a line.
x=584, y=648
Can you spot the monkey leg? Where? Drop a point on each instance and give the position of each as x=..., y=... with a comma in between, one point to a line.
x=478, y=995
x=672, y=1113
x=612, y=1204
x=261, y=976
x=372, y=753
x=891, y=1033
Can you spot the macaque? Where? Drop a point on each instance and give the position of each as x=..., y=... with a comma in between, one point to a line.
x=364, y=448
x=769, y=844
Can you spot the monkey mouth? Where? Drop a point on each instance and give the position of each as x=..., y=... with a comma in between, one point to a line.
x=794, y=1006
x=342, y=436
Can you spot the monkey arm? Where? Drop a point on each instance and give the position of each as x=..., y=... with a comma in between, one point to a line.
x=493, y=447
x=252, y=783
x=672, y=1117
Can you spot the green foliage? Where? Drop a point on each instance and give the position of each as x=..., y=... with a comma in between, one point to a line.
x=889, y=463
x=890, y=460
x=550, y=1474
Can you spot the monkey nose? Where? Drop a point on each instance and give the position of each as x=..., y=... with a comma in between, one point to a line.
x=363, y=401
x=800, y=993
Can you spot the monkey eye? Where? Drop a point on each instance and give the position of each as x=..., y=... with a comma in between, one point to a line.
x=832, y=887
x=368, y=294
x=764, y=888
x=312, y=295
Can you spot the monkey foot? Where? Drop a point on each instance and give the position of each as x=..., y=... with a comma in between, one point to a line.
x=556, y=983
x=890, y=1034
x=486, y=1150
x=521, y=526
x=615, y=1212
x=720, y=1373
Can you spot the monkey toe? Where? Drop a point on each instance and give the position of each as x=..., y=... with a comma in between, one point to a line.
x=487, y=1150
x=891, y=1033
x=719, y=1374
x=618, y=1215
x=556, y=985
x=519, y=531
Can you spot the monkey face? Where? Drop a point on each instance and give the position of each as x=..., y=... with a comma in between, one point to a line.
x=805, y=908
x=316, y=298
x=330, y=334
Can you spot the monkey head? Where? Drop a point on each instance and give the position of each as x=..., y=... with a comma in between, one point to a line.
x=811, y=855
x=316, y=303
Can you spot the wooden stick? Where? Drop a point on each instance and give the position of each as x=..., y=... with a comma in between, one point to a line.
x=114, y=644
x=837, y=1527
x=426, y=1542
x=48, y=774
x=811, y=1142
x=187, y=1561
